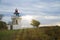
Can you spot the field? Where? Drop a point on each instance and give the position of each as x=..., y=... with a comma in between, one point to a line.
x=42, y=33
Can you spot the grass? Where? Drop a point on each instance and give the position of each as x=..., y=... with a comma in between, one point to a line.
x=26, y=34
x=7, y=35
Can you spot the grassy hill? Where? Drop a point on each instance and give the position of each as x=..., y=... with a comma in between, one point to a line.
x=42, y=33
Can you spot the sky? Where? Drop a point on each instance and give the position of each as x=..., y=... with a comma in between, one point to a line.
x=47, y=12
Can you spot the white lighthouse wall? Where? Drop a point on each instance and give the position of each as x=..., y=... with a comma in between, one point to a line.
x=17, y=26
x=22, y=24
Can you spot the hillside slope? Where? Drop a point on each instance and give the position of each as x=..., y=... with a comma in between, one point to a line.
x=42, y=33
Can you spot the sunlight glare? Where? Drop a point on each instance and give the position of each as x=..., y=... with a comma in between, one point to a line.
x=27, y=17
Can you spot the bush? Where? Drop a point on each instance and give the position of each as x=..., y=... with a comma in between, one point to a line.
x=3, y=25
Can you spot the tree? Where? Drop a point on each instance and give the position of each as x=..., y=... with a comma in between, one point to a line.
x=1, y=16
x=35, y=23
x=3, y=25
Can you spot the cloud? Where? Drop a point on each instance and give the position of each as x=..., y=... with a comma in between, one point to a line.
x=44, y=10
x=33, y=7
x=48, y=8
x=29, y=17
x=52, y=17
x=6, y=19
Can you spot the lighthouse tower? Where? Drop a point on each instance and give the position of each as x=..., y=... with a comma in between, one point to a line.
x=16, y=18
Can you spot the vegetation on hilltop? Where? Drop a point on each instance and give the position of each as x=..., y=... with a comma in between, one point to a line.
x=3, y=25
x=42, y=33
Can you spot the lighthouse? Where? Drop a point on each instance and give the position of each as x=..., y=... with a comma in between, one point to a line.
x=16, y=18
